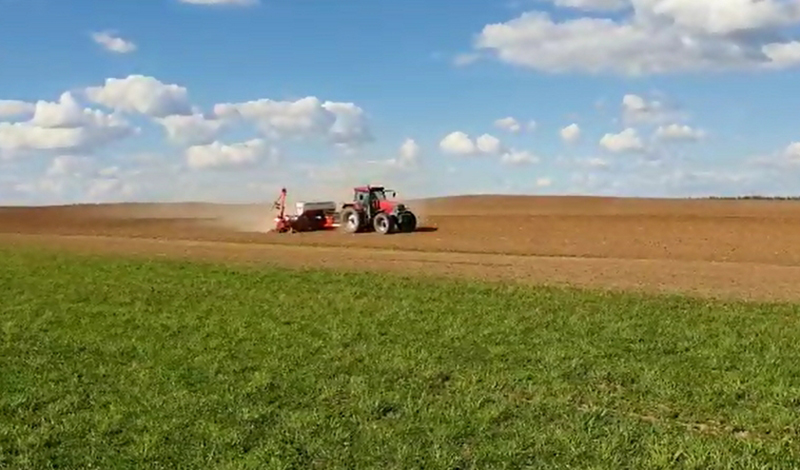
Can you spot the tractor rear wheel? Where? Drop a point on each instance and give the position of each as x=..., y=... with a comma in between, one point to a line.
x=351, y=220
x=383, y=223
x=407, y=222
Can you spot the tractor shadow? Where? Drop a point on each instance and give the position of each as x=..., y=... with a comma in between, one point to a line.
x=417, y=230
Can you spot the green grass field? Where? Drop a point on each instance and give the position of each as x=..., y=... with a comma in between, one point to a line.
x=113, y=363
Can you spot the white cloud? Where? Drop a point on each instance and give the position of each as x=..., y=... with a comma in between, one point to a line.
x=783, y=54
x=407, y=157
x=571, y=133
x=350, y=126
x=465, y=59
x=513, y=125
x=637, y=110
x=679, y=132
x=63, y=125
x=39, y=186
x=658, y=181
x=141, y=94
x=222, y=2
x=592, y=5
x=626, y=141
x=66, y=113
x=20, y=136
x=343, y=123
x=792, y=152
x=13, y=108
x=71, y=132
x=458, y=143
x=784, y=159
x=489, y=144
x=193, y=129
x=78, y=179
x=219, y=155
x=109, y=171
x=102, y=188
x=782, y=164
x=409, y=151
x=544, y=182
x=657, y=36
x=68, y=165
x=597, y=162
x=278, y=118
x=519, y=157
x=509, y=124
x=113, y=43
x=721, y=17
x=107, y=189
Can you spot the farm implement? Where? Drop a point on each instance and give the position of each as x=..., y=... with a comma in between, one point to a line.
x=369, y=210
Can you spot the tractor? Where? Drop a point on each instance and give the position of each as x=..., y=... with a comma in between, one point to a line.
x=372, y=209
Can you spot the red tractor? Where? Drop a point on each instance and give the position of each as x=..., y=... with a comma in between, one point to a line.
x=371, y=209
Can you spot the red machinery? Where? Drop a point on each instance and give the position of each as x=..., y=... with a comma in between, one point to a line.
x=370, y=209
x=310, y=216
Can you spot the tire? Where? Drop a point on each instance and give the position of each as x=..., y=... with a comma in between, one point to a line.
x=317, y=222
x=302, y=224
x=383, y=224
x=408, y=222
x=350, y=220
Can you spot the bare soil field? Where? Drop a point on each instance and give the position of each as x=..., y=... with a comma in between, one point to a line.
x=742, y=249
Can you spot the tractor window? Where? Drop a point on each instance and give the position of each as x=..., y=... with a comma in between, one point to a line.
x=379, y=195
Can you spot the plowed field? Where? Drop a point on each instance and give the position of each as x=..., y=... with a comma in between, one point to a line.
x=741, y=249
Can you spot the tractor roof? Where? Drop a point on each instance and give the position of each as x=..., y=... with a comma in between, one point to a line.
x=368, y=188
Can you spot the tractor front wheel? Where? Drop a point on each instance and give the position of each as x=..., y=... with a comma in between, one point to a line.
x=351, y=220
x=383, y=223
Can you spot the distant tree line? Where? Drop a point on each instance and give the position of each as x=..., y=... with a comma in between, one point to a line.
x=758, y=198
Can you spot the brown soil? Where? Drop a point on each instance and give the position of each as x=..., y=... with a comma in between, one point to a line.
x=743, y=249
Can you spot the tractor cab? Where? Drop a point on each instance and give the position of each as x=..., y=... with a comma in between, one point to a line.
x=374, y=197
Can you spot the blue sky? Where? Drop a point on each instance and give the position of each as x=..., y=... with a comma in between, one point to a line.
x=229, y=100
